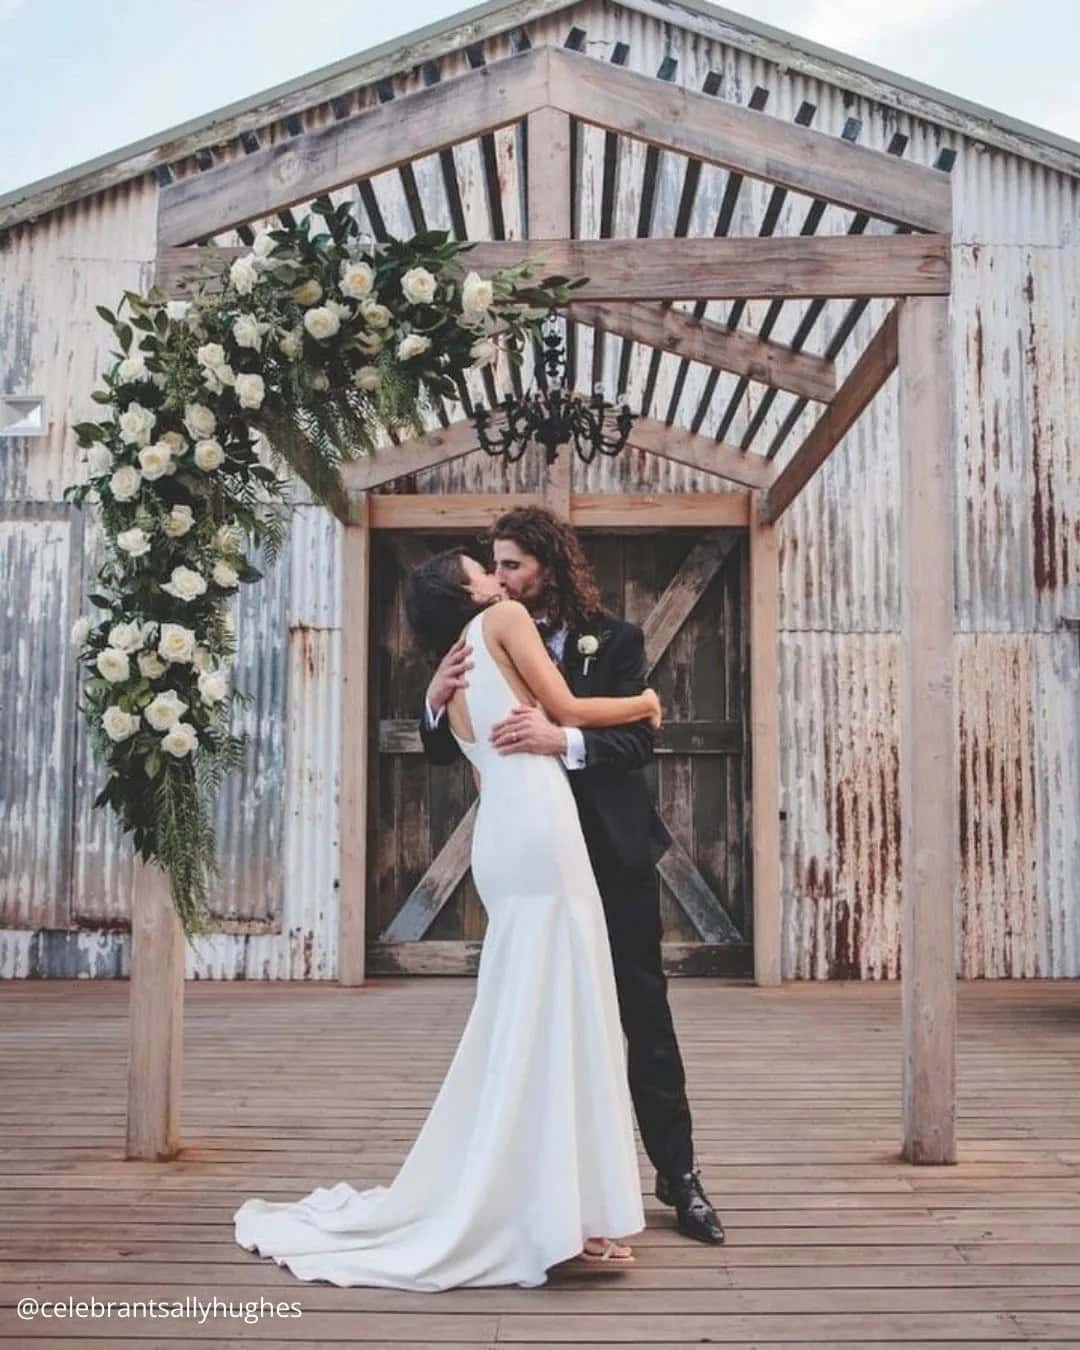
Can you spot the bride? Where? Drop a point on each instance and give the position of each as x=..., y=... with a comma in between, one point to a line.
x=527, y=1155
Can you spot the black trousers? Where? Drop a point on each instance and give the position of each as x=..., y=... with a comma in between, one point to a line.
x=656, y=1074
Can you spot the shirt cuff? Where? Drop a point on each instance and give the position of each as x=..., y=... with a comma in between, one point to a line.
x=575, y=748
x=431, y=719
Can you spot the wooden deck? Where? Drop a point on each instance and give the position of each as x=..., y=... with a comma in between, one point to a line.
x=831, y=1240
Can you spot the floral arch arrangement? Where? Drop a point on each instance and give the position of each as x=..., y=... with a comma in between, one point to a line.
x=314, y=346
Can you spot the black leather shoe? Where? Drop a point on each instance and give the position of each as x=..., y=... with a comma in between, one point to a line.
x=696, y=1216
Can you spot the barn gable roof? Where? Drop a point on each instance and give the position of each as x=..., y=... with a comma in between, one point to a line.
x=474, y=25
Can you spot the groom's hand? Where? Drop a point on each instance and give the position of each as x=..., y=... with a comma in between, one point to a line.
x=527, y=731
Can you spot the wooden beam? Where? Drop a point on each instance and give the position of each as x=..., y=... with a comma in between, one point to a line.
x=713, y=345
x=353, y=824
x=438, y=446
x=682, y=593
x=774, y=267
x=718, y=132
x=765, y=749
x=695, y=897
x=429, y=511
x=868, y=374
x=155, y=1019
x=436, y=886
x=549, y=187
x=636, y=511
x=701, y=452
x=382, y=138
x=928, y=821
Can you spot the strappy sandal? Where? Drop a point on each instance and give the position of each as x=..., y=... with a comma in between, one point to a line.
x=608, y=1257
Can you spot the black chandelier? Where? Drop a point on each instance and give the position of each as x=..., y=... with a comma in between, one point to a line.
x=553, y=415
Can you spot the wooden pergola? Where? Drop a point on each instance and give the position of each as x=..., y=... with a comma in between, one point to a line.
x=632, y=283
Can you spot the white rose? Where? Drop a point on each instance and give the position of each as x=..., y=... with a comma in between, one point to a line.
x=151, y=666
x=113, y=665
x=483, y=353
x=367, y=377
x=132, y=368
x=134, y=542
x=181, y=740
x=185, y=584
x=418, y=286
x=371, y=343
x=126, y=637
x=216, y=379
x=201, y=658
x=248, y=332
x=342, y=311
x=291, y=345
x=476, y=295
x=411, y=346
x=177, y=642
x=209, y=455
x=199, y=420
x=177, y=523
x=378, y=316
x=308, y=292
x=320, y=381
x=154, y=461
x=357, y=279
x=588, y=645
x=165, y=710
x=99, y=460
x=243, y=274
x=178, y=310
x=224, y=575
x=250, y=390
x=136, y=423
x=80, y=631
x=211, y=355
x=212, y=686
x=118, y=724
x=229, y=538
x=263, y=245
x=322, y=322
x=125, y=482
x=176, y=443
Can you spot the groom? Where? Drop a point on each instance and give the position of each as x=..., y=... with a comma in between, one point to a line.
x=539, y=561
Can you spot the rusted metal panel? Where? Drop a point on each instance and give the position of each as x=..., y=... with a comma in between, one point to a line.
x=40, y=562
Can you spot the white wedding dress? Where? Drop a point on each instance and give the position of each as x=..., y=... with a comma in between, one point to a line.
x=528, y=1147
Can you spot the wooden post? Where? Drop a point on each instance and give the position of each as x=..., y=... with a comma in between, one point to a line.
x=765, y=743
x=352, y=830
x=928, y=842
x=155, y=1019
x=548, y=185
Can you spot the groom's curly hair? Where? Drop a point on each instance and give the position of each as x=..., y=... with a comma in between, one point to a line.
x=571, y=595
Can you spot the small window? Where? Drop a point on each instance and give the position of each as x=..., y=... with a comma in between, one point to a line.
x=23, y=415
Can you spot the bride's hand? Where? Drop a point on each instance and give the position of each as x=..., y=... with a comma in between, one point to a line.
x=655, y=715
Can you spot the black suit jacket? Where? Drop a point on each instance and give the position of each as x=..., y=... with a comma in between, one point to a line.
x=611, y=792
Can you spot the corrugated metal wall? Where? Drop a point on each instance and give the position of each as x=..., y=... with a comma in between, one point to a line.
x=1016, y=326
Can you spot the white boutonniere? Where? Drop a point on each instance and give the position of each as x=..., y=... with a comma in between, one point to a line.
x=588, y=645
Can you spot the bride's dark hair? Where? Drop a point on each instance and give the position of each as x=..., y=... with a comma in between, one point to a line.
x=437, y=600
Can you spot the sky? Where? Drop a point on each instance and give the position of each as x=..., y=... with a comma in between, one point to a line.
x=80, y=79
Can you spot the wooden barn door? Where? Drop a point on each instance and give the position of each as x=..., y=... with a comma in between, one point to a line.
x=688, y=590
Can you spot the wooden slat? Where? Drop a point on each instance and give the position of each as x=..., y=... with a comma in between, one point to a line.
x=765, y=749
x=774, y=267
x=436, y=886
x=355, y=688
x=701, y=452
x=438, y=446
x=696, y=897
x=434, y=512
x=749, y=142
x=155, y=1019
x=382, y=138
x=683, y=592
x=928, y=833
x=637, y=511
x=711, y=344
x=871, y=370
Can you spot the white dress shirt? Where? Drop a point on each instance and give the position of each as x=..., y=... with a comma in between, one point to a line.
x=574, y=754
